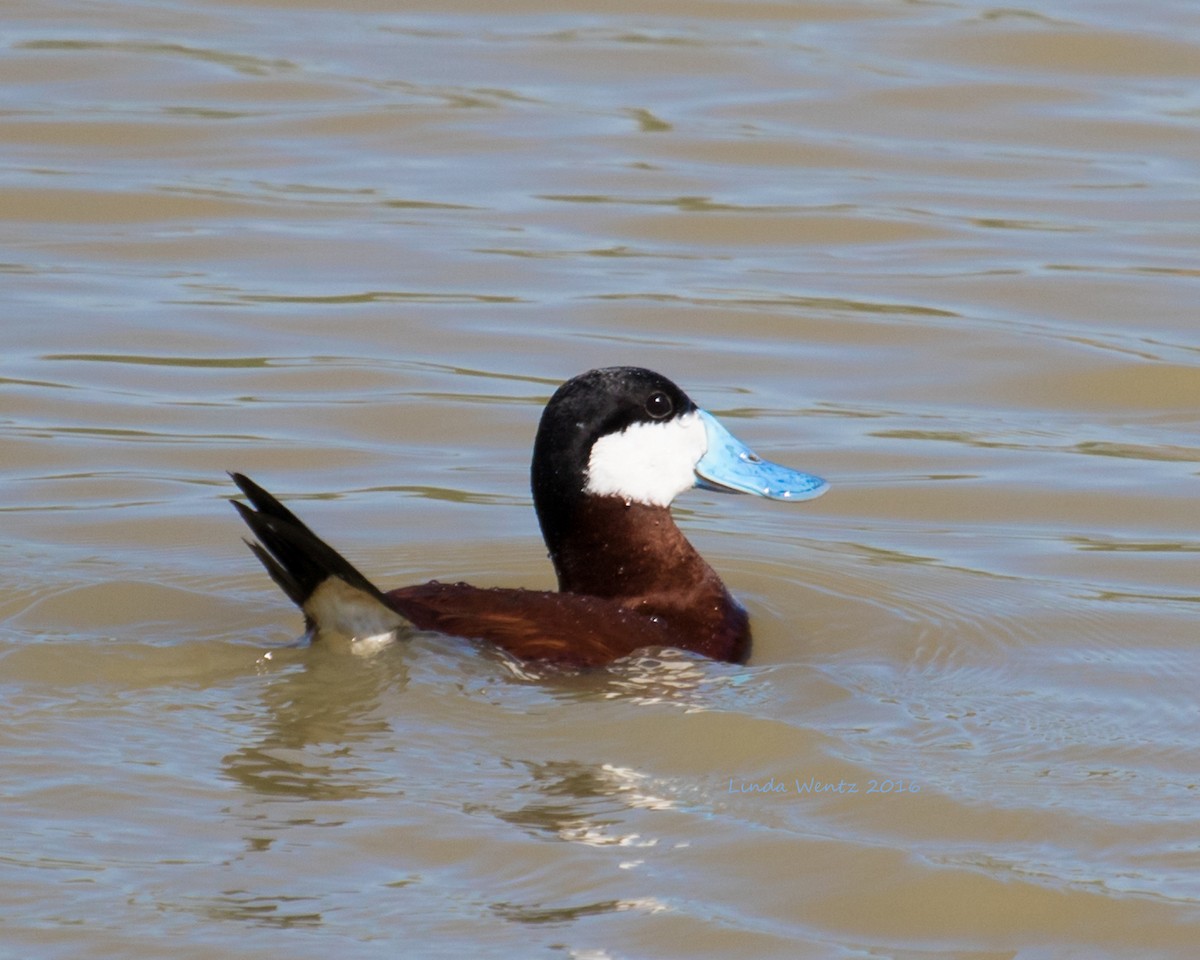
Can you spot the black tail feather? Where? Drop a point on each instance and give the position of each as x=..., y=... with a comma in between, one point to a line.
x=296, y=558
x=264, y=502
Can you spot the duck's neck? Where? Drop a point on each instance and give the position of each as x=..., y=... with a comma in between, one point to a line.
x=634, y=554
x=618, y=549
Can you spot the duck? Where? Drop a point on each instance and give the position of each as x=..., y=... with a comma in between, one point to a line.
x=614, y=447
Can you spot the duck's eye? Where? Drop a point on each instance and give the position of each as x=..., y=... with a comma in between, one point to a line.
x=659, y=405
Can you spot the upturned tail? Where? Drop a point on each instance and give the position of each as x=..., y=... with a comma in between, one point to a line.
x=336, y=599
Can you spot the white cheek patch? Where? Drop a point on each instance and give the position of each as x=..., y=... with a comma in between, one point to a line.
x=651, y=463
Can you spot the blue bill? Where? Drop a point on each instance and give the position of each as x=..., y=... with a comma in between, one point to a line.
x=730, y=465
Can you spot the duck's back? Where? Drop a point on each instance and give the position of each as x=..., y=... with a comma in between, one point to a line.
x=565, y=628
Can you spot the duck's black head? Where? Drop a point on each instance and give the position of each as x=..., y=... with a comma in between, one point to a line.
x=630, y=433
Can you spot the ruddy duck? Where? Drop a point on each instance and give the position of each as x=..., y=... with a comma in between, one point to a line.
x=613, y=449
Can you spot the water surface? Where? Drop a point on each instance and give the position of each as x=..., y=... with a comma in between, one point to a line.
x=942, y=254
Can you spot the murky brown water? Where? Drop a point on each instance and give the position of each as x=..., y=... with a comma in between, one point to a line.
x=943, y=254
